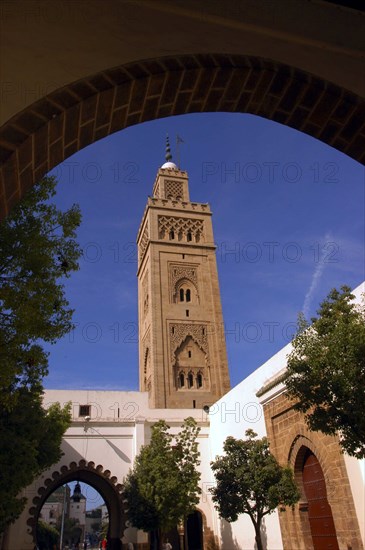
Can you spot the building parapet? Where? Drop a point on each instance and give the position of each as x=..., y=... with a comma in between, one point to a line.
x=273, y=387
x=179, y=205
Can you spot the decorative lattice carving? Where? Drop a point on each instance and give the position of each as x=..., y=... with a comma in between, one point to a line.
x=173, y=190
x=143, y=243
x=145, y=295
x=180, y=331
x=182, y=226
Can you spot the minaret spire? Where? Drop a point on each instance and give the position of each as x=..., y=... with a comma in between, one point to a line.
x=168, y=155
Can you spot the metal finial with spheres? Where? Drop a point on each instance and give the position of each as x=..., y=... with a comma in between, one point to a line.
x=168, y=156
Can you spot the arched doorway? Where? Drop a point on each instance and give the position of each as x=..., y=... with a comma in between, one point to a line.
x=98, y=478
x=192, y=534
x=194, y=531
x=319, y=511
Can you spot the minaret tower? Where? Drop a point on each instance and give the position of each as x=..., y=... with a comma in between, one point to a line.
x=182, y=351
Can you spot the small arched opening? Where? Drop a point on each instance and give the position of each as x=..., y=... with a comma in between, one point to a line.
x=185, y=292
x=181, y=380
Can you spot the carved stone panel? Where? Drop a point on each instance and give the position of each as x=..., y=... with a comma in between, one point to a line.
x=180, y=331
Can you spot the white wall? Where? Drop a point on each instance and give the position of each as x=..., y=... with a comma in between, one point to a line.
x=232, y=415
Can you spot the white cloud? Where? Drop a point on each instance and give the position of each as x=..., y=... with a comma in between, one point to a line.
x=317, y=275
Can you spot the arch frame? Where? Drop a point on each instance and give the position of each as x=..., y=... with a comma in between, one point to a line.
x=94, y=475
x=65, y=121
x=300, y=445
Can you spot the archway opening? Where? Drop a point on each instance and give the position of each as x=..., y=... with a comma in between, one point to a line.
x=73, y=516
x=64, y=497
x=277, y=197
x=194, y=531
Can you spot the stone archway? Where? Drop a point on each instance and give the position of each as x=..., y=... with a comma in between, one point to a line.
x=99, y=479
x=70, y=118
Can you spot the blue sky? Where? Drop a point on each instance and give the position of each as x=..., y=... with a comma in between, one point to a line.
x=288, y=220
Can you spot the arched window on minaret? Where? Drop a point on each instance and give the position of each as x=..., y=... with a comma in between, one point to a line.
x=181, y=380
x=199, y=380
x=189, y=237
x=190, y=380
x=185, y=291
x=172, y=235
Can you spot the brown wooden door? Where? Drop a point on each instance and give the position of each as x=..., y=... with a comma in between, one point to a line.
x=319, y=511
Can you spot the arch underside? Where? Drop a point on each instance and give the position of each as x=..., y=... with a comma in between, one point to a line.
x=67, y=120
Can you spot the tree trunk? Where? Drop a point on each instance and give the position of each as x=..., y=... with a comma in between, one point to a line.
x=258, y=535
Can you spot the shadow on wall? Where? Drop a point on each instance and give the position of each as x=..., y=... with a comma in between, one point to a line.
x=228, y=543
x=227, y=538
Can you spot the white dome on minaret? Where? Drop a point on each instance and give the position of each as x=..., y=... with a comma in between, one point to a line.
x=170, y=165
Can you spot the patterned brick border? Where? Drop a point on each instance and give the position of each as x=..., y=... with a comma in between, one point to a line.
x=65, y=121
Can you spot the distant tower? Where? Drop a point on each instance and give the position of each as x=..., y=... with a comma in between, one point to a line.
x=78, y=508
x=182, y=351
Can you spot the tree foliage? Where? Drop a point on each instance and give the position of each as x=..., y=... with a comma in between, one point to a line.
x=72, y=530
x=250, y=481
x=326, y=370
x=37, y=249
x=30, y=442
x=163, y=487
x=47, y=536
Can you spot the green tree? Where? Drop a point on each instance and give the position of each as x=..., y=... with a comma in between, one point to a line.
x=47, y=536
x=326, y=370
x=95, y=513
x=250, y=481
x=37, y=249
x=30, y=442
x=72, y=530
x=163, y=487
